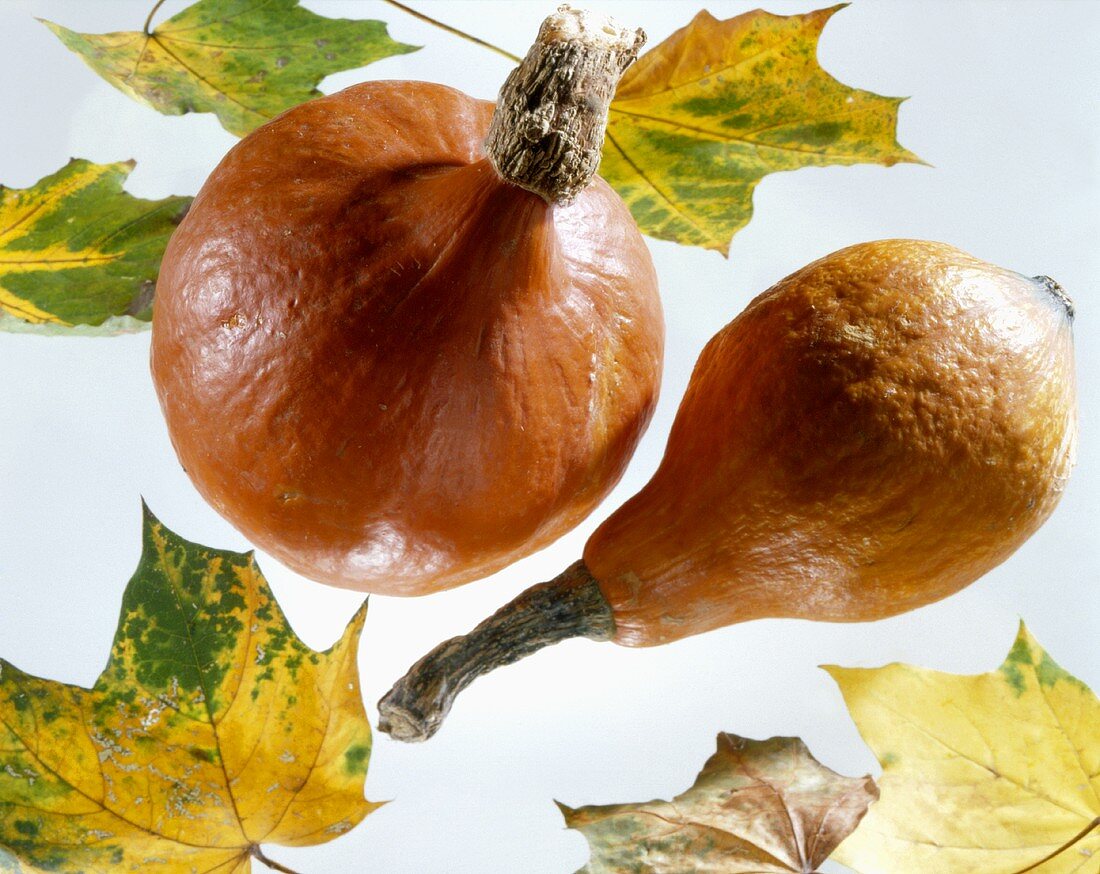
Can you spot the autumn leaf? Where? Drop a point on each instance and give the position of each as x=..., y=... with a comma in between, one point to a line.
x=698, y=121
x=986, y=774
x=245, y=60
x=77, y=250
x=212, y=730
x=757, y=807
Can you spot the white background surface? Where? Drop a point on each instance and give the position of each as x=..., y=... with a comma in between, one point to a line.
x=1004, y=106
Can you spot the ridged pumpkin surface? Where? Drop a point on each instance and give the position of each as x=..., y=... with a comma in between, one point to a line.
x=870, y=435
x=385, y=365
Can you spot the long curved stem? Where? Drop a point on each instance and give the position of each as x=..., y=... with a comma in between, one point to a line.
x=570, y=605
x=149, y=20
x=459, y=33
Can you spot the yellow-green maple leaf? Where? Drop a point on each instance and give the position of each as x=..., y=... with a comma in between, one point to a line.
x=75, y=249
x=757, y=807
x=245, y=60
x=212, y=730
x=698, y=121
x=990, y=774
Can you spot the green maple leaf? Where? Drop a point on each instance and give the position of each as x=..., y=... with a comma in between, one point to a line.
x=245, y=60
x=80, y=255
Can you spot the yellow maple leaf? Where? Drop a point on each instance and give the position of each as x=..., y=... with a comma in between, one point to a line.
x=698, y=121
x=212, y=730
x=990, y=774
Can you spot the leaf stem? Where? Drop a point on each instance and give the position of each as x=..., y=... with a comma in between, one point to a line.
x=449, y=29
x=1080, y=836
x=259, y=856
x=149, y=20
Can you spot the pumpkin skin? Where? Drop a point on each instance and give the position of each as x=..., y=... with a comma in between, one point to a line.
x=870, y=435
x=385, y=365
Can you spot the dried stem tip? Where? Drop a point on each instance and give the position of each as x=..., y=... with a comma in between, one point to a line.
x=570, y=605
x=548, y=129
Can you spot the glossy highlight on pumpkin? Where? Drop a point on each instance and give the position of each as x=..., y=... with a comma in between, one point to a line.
x=387, y=366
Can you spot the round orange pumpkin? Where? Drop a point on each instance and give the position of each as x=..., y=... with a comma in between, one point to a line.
x=386, y=362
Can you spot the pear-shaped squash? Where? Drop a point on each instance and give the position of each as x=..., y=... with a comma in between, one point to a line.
x=403, y=339
x=870, y=435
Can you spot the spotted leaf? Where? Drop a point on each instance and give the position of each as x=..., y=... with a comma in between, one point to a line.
x=757, y=807
x=698, y=121
x=212, y=730
x=80, y=255
x=245, y=60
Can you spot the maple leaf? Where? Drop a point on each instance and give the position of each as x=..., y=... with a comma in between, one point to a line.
x=245, y=60
x=757, y=807
x=212, y=730
x=698, y=121
x=986, y=774
x=75, y=249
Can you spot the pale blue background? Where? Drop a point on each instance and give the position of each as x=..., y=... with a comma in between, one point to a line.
x=1004, y=106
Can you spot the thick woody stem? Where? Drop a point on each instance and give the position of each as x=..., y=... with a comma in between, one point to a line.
x=570, y=605
x=547, y=132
